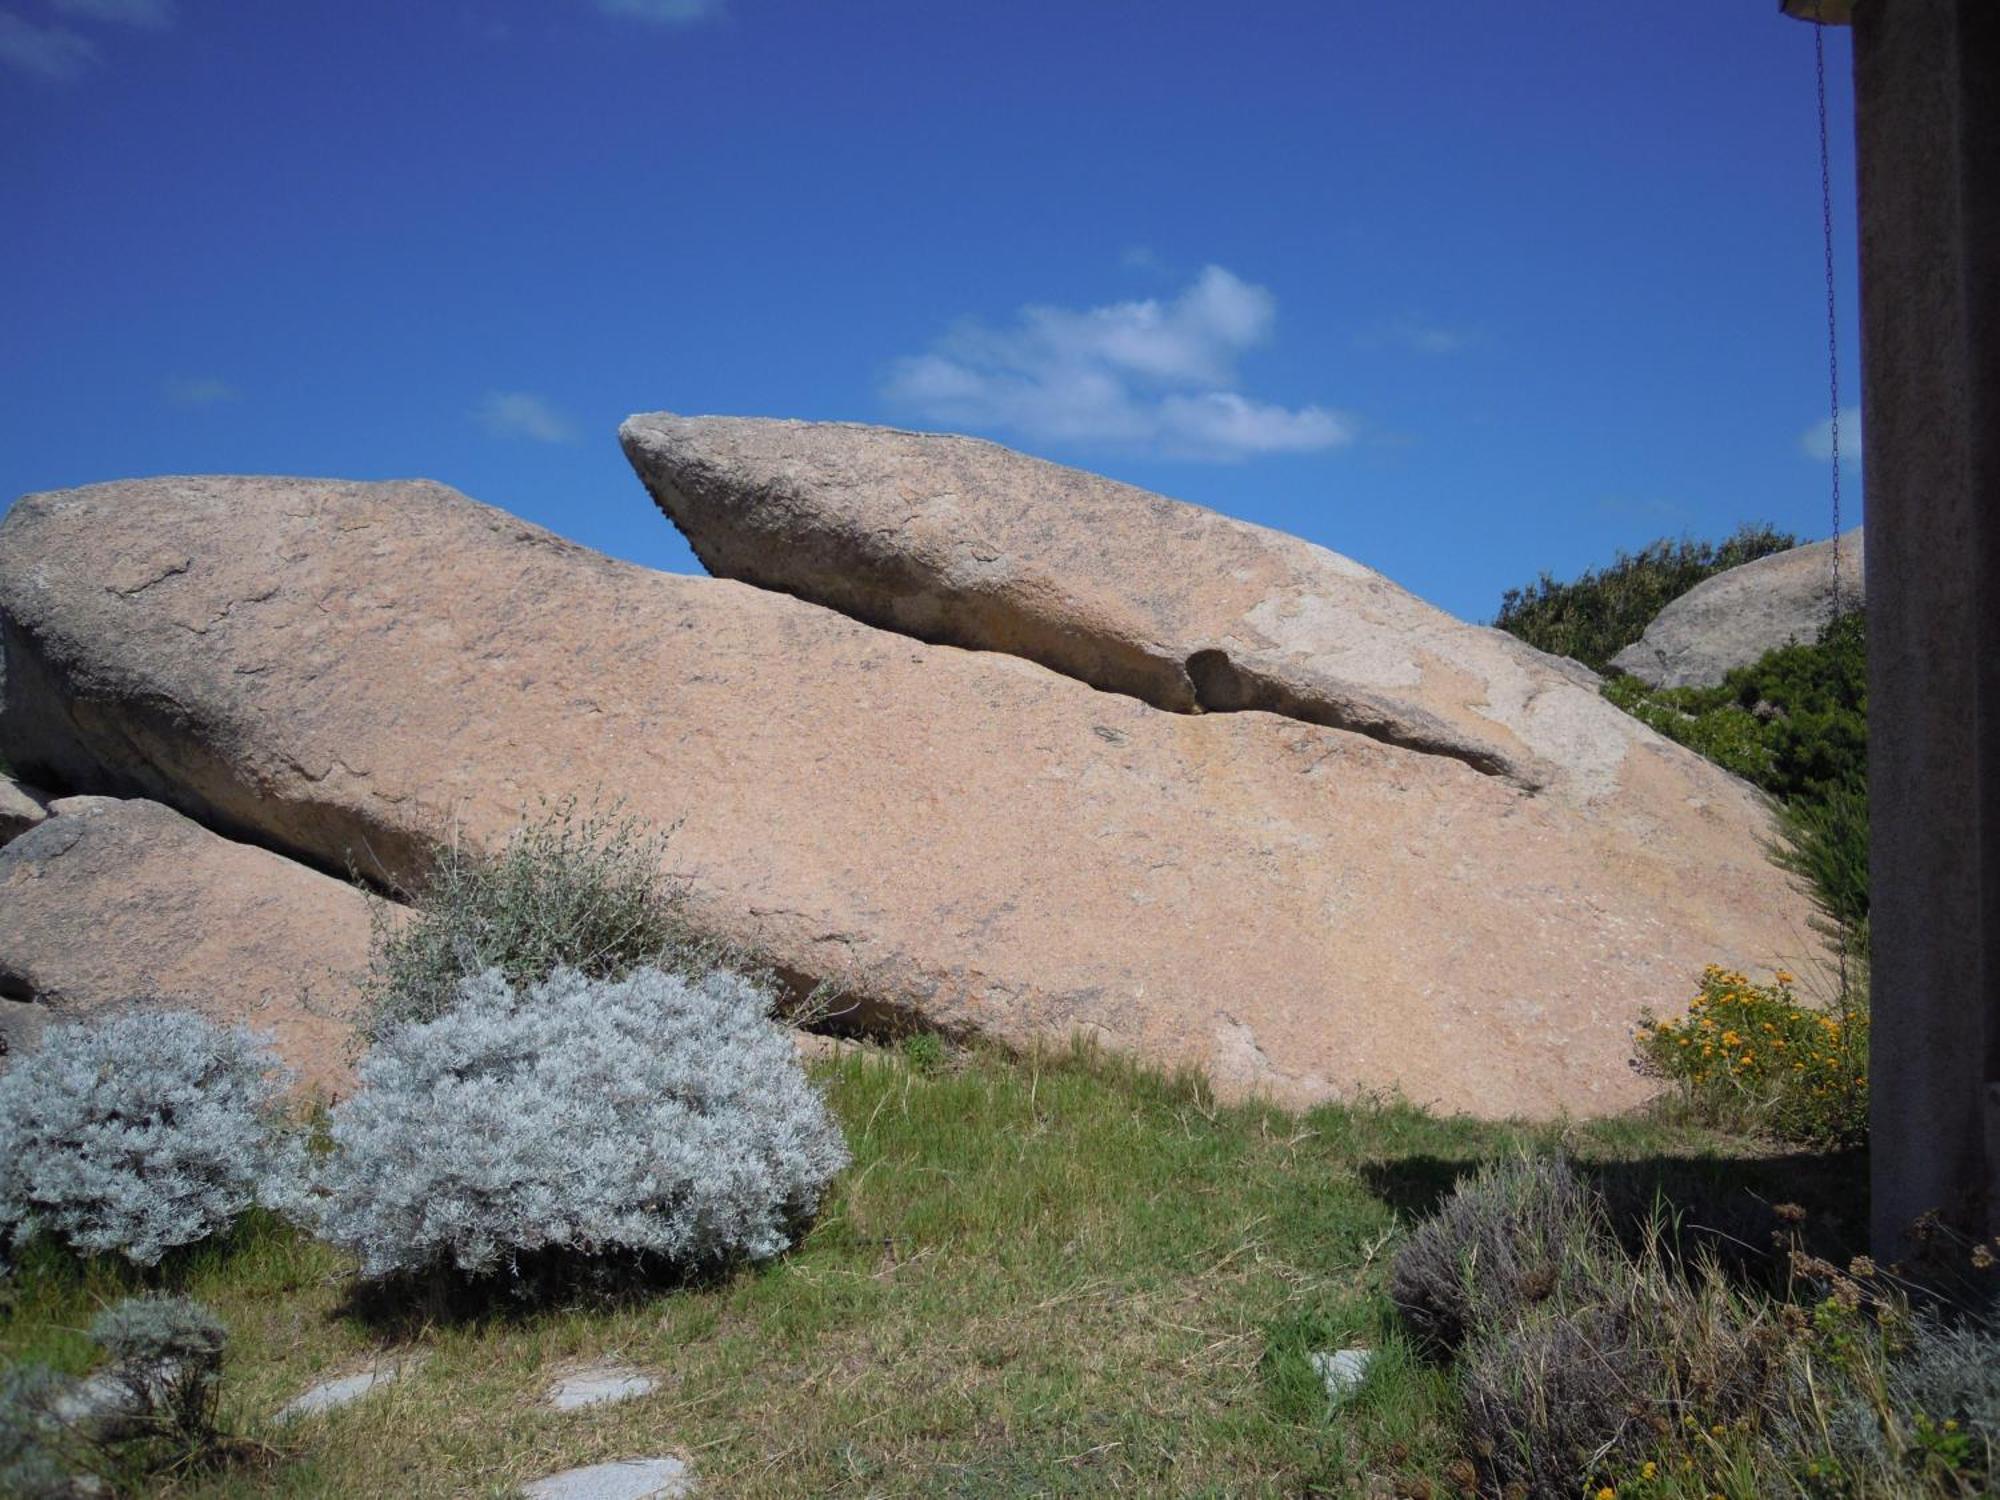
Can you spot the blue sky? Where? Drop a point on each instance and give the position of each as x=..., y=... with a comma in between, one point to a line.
x=1464, y=291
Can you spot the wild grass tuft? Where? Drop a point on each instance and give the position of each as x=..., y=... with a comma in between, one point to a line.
x=575, y=887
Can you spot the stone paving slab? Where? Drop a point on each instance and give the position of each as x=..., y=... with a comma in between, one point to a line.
x=626, y=1479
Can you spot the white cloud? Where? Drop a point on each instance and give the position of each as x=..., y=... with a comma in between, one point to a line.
x=204, y=390
x=523, y=414
x=1817, y=441
x=51, y=51
x=663, y=12
x=1150, y=375
x=152, y=14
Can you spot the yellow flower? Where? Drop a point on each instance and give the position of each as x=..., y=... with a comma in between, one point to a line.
x=1782, y=976
x=1607, y=1493
x=1648, y=1469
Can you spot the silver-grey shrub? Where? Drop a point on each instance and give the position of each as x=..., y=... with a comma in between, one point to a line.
x=137, y=1133
x=657, y=1117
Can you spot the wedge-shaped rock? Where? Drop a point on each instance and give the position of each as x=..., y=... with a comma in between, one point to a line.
x=20, y=809
x=1734, y=618
x=113, y=902
x=358, y=670
x=959, y=540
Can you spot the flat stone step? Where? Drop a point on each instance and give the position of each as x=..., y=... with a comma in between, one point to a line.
x=626, y=1479
x=599, y=1385
x=331, y=1395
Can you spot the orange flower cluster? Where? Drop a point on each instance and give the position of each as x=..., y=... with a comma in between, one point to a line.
x=1753, y=1055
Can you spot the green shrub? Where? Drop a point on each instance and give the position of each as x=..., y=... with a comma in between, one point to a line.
x=571, y=889
x=1824, y=842
x=1794, y=723
x=1751, y=1057
x=1596, y=615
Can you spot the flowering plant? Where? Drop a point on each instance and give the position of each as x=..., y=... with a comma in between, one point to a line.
x=1754, y=1056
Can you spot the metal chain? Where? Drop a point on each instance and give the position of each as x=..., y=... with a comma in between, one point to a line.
x=1832, y=324
x=1832, y=375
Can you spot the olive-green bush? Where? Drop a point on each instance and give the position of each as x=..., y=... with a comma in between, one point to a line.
x=1603, y=610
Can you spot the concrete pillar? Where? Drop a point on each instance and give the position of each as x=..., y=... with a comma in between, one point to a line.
x=1927, y=121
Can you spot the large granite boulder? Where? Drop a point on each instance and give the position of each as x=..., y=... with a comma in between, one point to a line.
x=356, y=671
x=959, y=540
x=111, y=903
x=1734, y=618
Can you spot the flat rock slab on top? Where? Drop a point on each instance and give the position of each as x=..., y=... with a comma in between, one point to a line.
x=114, y=902
x=627, y=1479
x=359, y=671
x=600, y=1385
x=1734, y=618
x=958, y=540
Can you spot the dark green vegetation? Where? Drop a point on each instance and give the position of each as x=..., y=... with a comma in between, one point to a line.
x=1593, y=1353
x=1051, y=1276
x=1596, y=615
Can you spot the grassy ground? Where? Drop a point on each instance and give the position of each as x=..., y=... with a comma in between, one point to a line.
x=1051, y=1277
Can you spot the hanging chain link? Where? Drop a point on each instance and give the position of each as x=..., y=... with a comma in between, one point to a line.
x=1832, y=323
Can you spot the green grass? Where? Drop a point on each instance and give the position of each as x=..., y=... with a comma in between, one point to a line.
x=1061, y=1276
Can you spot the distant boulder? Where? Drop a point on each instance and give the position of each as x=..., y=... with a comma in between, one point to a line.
x=1734, y=618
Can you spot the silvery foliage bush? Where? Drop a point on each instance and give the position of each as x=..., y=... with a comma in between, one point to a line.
x=655, y=1116
x=138, y=1133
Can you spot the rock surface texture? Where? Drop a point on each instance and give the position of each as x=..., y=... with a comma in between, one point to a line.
x=356, y=671
x=1732, y=619
x=112, y=902
x=959, y=540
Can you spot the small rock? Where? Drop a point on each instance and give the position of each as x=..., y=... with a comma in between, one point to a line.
x=116, y=1402
x=1342, y=1370
x=20, y=809
x=811, y=1046
x=330, y=1395
x=21, y=1026
x=599, y=1385
x=627, y=1479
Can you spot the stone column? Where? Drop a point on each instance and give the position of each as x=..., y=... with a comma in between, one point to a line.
x=1927, y=119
